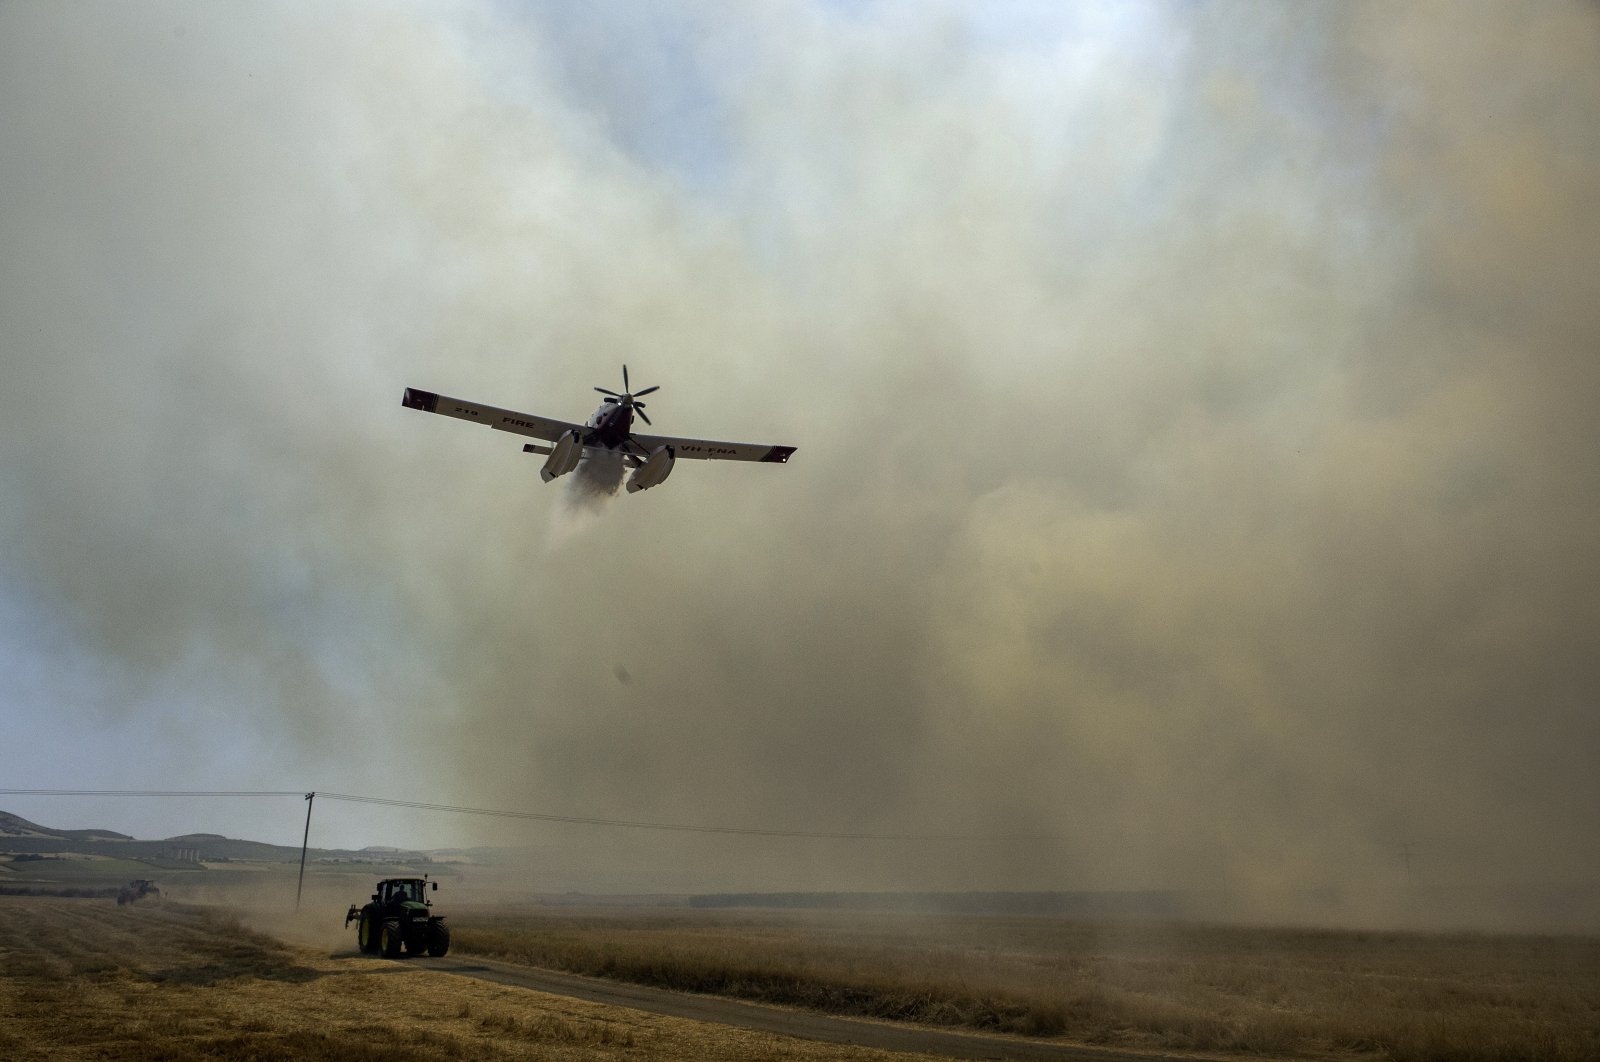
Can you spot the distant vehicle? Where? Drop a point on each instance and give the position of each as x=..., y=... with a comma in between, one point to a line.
x=610, y=429
x=398, y=917
x=136, y=890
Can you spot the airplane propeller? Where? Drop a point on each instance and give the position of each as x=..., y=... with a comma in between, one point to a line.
x=627, y=398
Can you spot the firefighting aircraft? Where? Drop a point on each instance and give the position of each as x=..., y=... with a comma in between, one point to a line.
x=610, y=429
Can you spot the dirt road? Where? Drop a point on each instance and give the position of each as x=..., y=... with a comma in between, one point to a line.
x=805, y=1025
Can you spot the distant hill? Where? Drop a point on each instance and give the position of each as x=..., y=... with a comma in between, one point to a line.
x=18, y=835
x=17, y=826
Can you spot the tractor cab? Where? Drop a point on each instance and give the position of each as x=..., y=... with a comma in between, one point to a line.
x=404, y=890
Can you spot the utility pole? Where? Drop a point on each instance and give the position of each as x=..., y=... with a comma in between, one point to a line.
x=310, y=799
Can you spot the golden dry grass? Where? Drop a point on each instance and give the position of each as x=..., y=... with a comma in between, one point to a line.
x=82, y=979
x=1238, y=990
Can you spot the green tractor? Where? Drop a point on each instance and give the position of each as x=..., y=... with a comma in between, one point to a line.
x=398, y=918
x=136, y=890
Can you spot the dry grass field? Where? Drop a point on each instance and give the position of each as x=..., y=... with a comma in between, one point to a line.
x=84, y=979
x=1228, y=989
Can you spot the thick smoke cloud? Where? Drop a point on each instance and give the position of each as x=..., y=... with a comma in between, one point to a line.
x=1197, y=462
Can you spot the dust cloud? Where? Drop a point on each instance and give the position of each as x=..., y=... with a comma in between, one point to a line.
x=1194, y=408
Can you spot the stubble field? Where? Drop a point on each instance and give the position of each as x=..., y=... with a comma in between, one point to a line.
x=84, y=979
x=1142, y=985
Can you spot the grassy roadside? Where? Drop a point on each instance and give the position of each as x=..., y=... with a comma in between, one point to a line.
x=1285, y=993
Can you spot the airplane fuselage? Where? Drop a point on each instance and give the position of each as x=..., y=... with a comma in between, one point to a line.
x=610, y=425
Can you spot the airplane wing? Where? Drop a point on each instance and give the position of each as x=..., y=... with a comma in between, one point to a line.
x=707, y=450
x=500, y=419
x=551, y=430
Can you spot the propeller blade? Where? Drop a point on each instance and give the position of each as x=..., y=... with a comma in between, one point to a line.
x=625, y=377
x=609, y=398
x=644, y=416
x=603, y=391
x=647, y=390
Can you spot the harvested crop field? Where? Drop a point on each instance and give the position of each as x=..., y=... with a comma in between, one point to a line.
x=1133, y=985
x=82, y=979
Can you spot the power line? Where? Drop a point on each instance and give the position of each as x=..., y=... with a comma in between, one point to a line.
x=155, y=792
x=753, y=831
x=538, y=816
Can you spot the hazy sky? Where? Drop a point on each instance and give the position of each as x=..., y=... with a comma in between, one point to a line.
x=1196, y=410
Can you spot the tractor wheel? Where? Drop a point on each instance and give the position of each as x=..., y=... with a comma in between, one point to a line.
x=438, y=938
x=367, y=932
x=393, y=939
